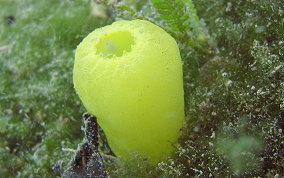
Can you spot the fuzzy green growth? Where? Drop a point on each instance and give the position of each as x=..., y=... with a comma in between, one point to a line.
x=242, y=78
x=39, y=110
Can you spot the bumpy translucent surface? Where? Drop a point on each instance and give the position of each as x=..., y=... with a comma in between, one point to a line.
x=129, y=75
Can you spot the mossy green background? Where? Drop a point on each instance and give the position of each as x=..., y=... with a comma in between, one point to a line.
x=234, y=92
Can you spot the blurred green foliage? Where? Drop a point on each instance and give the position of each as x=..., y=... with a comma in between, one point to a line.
x=233, y=55
x=40, y=112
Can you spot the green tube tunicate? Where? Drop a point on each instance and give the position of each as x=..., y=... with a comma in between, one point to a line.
x=129, y=75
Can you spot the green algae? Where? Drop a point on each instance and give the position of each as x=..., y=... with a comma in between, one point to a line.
x=234, y=93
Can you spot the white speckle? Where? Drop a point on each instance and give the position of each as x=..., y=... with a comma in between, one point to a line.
x=224, y=74
x=213, y=134
x=229, y=83
x=196, y=129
